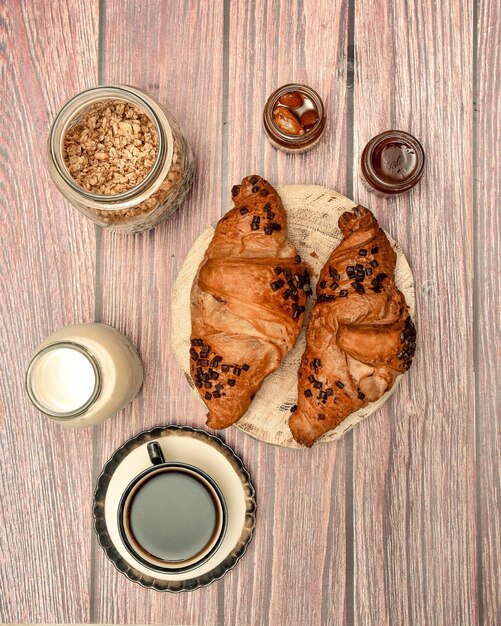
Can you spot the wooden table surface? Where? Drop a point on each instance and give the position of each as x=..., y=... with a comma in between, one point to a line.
x=397, y=523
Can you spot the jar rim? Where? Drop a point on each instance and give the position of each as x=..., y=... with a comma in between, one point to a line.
x=371, y=175
x=297, y=140
x=74, y=107
x=61, y=415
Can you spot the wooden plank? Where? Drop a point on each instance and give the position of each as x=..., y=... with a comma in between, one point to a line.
x=414, y=467
x=48, y=53
x=173, y=50
x=294, y=572
x=487, y=303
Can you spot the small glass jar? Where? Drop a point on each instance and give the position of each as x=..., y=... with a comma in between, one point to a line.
x=294, y=143
x=83, y=373
x=157, y=195
x=392, y=163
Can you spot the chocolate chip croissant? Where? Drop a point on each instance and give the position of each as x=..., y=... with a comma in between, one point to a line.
x=359, y=337
x=247, y=302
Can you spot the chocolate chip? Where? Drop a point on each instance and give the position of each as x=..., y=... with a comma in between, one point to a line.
x=255, y=189
x=361, y=395
x=307, y=289
x=287, y=273
x=214, y=375
x=359, y=288
x=312, y=378
x=334, y=285
x=207, y=385
x=326, y=297
x=270, y=215
x=219, y=386
x=317, y=384
x=329, y=391
x=264, y=192
x=317, y=363
x=368, y=271
x=293, y=408
x=253, y=180
x=322, y=395
x=204, y=355
x=323, y=284
x=255, y=222
x=216, y=394
x=296, y=313
x=334, y=274
x=339, y=384
x=343, y=293
x=374, y=250
x=237, y=371
x=245, y=367
x=194, y=342
x=203, y=362
x=278, y=270
x=286, y=294
x=235, y=190
x=278, y=284
x=362, y=252
x=199, y=384
x=225, y=368
x=268, y=229
x=244, y=210
x=360, y=274
x=350, y=268
x=382, y=276
x=359, y=266
x=208, y=395
x=206, y=348
x=276, y=226
x=193, y=354
x=294, y=297
x=199, y=370
x=400, y=355
x=374, y=263
x=231, y=382
x=308, y=393
x=267, y=207
x=377, y=288
x=297, y=258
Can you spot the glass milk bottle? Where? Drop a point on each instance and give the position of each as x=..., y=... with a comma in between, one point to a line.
x=83, y=373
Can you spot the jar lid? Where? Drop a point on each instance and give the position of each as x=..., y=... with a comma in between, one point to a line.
x=392, y=162
x=63, y=380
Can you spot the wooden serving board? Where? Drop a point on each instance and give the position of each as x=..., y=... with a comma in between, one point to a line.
x=312, y=224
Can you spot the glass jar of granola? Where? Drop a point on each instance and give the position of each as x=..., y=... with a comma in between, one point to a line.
x=120, y=158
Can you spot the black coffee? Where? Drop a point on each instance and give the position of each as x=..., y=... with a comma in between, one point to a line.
x=173, y=516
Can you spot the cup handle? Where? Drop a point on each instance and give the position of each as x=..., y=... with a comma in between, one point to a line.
x=155, y=453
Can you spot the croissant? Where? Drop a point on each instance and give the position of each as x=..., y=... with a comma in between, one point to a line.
x=359, y=337
x=247, y=302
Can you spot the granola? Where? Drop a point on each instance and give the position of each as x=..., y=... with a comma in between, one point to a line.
x=112, y=148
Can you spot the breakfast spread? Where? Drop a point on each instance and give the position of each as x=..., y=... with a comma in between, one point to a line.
x=247, y=302
x=359, y=337
x=121, y=159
